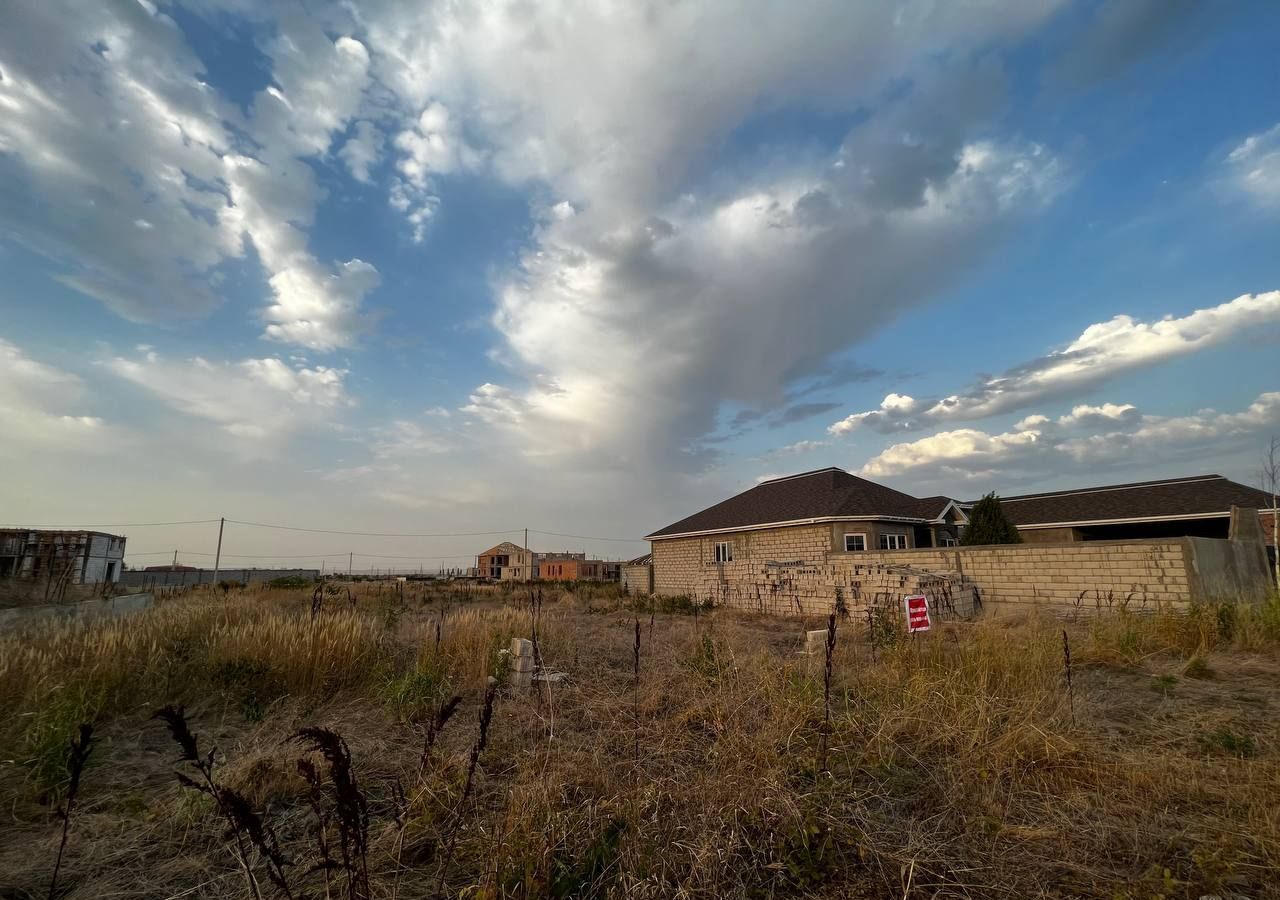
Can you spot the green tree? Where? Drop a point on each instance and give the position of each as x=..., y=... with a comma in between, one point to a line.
x=989, y=525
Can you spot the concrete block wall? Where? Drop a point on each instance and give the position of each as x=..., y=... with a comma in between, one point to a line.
x=819, y=590
x=1081, y=575
x=687, y=565
x=638, y=579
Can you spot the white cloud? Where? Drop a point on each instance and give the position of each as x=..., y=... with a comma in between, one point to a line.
x=255, y=400
x=140, y=182
x=362, y=150
x=632, y=338
x=1096, y=416
x=1101, y=352
x=47, y=408
x=1254, y=167
x=893, y=414
x=613, y=104
x=406, y=438
x=965, y=448
x=1090, y=437
x=662, y=280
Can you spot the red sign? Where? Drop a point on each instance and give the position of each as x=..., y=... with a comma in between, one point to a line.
x=917, y=612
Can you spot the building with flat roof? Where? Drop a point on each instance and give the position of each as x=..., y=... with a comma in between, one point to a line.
x=68, y=557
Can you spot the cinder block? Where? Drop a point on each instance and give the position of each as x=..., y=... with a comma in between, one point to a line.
x=521, y=648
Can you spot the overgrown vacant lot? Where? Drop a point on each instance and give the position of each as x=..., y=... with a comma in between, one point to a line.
x=953, y=765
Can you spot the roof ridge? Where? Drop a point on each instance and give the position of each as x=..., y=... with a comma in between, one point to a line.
x=803, y=475
x=1102, y=489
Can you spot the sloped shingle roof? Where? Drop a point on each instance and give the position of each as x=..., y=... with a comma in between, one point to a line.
x=826, y=493
x=1197, y=495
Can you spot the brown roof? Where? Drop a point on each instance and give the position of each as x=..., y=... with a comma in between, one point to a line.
x=1199, y=495
x=826, y=493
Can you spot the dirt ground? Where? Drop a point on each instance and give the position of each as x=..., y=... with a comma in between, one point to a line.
x=1155, y=777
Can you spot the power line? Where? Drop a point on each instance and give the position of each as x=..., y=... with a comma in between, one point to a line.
x=585, y=537
x=302, y=555
x=116, y=525
x=378, y=534
x=375, y=533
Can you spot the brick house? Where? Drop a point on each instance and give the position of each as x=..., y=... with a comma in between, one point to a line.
x=796, y=521
x=1196, y=506
x=507, y=562
x=576, y=567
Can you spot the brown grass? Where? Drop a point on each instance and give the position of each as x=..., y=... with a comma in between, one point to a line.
x=951, y=764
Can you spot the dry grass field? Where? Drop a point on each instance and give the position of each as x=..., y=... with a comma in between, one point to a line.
x=682, y=756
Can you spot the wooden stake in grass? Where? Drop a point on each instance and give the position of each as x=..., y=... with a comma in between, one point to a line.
x=826, y=693
x=871, y=632
x=635, y=694
x=1066, y=662
x=80, y=748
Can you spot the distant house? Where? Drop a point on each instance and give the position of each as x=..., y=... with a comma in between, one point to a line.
x=1196, y=506
x=637, y=575
x=800, y=520
x=576, y=567
x=73, y=557
x=507, y=562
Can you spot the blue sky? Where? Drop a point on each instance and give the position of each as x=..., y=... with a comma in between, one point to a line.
x=583, y=268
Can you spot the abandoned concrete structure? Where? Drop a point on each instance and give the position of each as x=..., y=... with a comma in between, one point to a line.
x=68, y=557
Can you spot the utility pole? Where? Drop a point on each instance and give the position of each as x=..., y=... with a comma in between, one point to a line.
x=350, y=562
x=217, y=559
x=528, y=555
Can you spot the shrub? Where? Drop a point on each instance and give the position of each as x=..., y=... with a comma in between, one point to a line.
x=989, y=525
x=291, y=582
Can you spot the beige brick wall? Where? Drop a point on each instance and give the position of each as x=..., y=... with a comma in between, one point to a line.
x=1087, y=575
x=688, y=566
x=638, y=579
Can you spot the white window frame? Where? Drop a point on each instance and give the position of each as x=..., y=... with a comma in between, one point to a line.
x=949, y=541
x=893, y=537
x=723, y=551
x=855, y=534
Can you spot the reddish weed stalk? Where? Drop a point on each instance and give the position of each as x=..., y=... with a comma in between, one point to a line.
x=245, y=825
x=78, y=754
x=486, y=718
x=349, y=803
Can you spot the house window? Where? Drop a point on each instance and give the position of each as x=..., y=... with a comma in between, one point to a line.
x=724, y=551
x=855, y=543
x=893, y=541
x=949, y=541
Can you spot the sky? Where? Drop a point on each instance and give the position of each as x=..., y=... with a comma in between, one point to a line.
x=458, y=269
